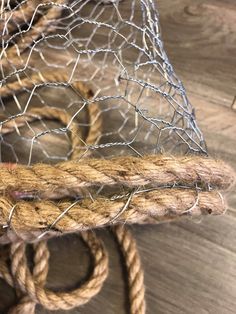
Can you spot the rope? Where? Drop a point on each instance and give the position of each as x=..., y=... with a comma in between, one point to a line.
x=95, y=282
x=36, y=294
x=143, y=207
x=146, y=207
x=134, y=270
x=26, y=305
x=40, y=79
x=11, y=20
x=70, y=177
x=33, y=284
x=60, y=300
x=40, y=271
x=172, y=187
x=45, y=25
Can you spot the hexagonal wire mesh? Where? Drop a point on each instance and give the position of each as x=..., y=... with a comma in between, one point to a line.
x=90, y=65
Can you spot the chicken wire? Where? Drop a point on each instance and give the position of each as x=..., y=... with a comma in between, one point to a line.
x=115, y=49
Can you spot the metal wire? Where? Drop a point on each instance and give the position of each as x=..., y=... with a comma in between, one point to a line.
x=114, y=47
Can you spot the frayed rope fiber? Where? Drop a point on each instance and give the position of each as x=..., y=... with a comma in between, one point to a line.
x=158, y=188
x=146, y=207
x=155, y=188
x=30, y=286
x=71, y=176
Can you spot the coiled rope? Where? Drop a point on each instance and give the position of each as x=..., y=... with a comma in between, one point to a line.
x=163, y=198
x=158, y=188
x=15, y=45
x=29, y=283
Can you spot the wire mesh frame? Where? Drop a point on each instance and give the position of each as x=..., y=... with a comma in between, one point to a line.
x=116, y=49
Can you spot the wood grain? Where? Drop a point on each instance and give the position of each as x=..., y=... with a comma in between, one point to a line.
x=189, y=265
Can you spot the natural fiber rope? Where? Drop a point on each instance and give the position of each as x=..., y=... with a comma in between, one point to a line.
x=33, y=285
x=93, y=133
x=152, y=206
x=71, y=178
x=45, y=25
x=40, y=271
x=146, y=207
x=60, y=300
x=78, y=296
x=58, y=78
x=12, y=19
x=134, y=270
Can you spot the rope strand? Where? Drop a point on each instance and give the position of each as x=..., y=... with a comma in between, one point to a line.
x=45, y=25
x=29, y=219
x=12, y=19
x=19, y=262
x=162, y=199
x=134, y=270
x=60, y=300
x=70, y=177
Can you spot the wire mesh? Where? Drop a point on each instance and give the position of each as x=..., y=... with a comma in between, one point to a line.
x=114, y=48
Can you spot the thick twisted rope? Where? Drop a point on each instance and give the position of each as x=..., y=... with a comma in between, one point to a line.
x=12, y=19
x=95, y=282
x=145, y=207
x=45, y=25
x=161, y=199
x=94, y=132
x=71, y=177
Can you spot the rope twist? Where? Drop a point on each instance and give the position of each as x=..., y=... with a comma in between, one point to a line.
x=155, y=188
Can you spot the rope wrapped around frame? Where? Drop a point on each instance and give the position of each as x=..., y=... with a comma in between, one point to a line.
x=161, y=199
x=157, y=188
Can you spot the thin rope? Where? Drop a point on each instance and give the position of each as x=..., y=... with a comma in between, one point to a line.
x=60, y=300
x=45, y=25
x=65, y=301
x=92, y=287
x=172, y=186
x=11, y=20
x=134, y=270
x=147, y=207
